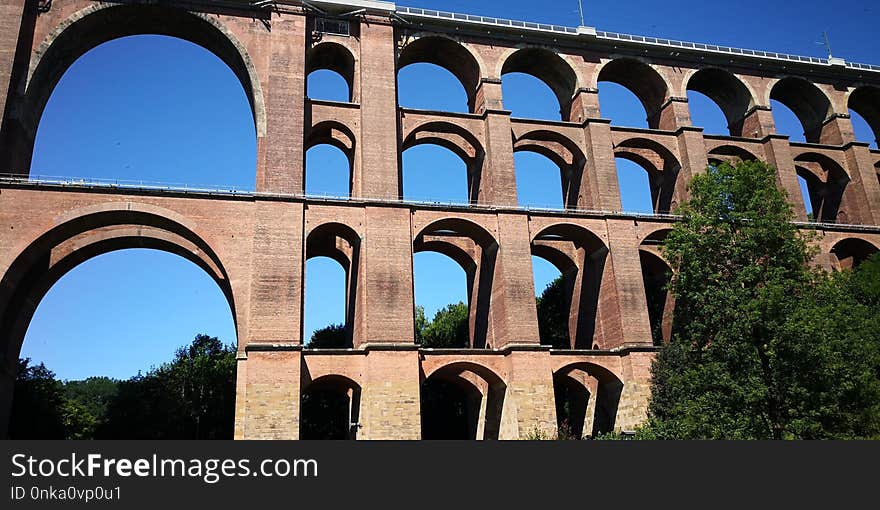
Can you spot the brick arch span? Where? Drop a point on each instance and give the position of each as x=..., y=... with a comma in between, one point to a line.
x=810, y=104
x=832, y=197
x=729, y=153
x=457, y=139
x=340, y=386
x=100, y=23
x=580, y=256
x=865, y=100
x=604, y=388
x=564, y=153
x=663, y=168
x=488, y=408
x=851, y=251
x=335, y=134
x=643, y=80
x=336, y=57
x=475, y=250
x=449, y=54
x=734, y=96
x=77, y=237
x=549, y=67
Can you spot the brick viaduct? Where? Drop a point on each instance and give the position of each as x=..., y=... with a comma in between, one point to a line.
x=255, y=245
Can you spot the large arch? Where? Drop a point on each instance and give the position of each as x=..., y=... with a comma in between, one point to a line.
x=342, y=244
x=587, y=400
x=475, y=250
x=448, y=54
x=330, y=408
x=850, y=253
x=100, y=23
x=457, y=140
x=75, y=239
x=580, y=257
x=565, y=154
x=728, y=92
x=462, y=400
x=828, y=187
x=548, y=67
x=656, y=276
x=334, y=57
x=642, y=80
x=662, y=166
x=866, y=102
x=811, y=106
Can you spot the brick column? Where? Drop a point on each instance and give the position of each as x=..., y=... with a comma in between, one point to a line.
x=267, y=400
x=632, y=410
x=280, y=164
x=378, y=175
x=757, y=123
x=498, y=181
x=672, y=115
x=694, y=160
x=779, y=155
x=529, y=403
x=16, y=32
x=601, y=168
x=863, y=191
x=628, y=289
x=513, y=310
x=390, y=397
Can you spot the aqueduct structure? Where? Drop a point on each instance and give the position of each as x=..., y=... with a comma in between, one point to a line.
x=255, y=245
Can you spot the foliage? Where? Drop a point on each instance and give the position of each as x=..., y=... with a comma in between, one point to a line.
x=333, y=336
x=763, y=346
x=553, y=315
x=449, y=329
x=37, y=404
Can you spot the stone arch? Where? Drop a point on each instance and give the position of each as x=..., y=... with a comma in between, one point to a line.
x=548, y=67
x=101, y=23
x=341, y=243
x=828, y=186
x=662, y=166
x=642, y=80
x=483, y=392
x=337, y=398
x=808, y=102
x=849, y=253
x=456, y=139
x=730, y=154
x=580, y=256
x=564, y=153
x=865, y=101
x=656, y=276
x=335, y=57
x=448, y=54
x=475, y=250
x=593, y=393
x=76, y=238
x=729, y=92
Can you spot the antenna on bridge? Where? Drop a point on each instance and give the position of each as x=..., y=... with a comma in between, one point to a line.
x=581, y=12
x=826, y=42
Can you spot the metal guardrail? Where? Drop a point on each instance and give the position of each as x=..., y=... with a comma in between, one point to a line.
x=232, y=191
x=613, y=36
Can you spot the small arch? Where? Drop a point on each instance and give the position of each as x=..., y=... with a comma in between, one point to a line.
x=730, y=154
x=548, y=67
x=448, y=54
x=333, y=57
x=728, y=92
x=850, y=253
x=340, y=137
x=809, y=104
x=656, y=276
x=826, y=183
x=662, y=167
x=865, y=101
x=580, y=256
x=642, y=80
x=330, y=408
x=565, y=154
x=462, y=400
x=342, y=244
x=587, y=399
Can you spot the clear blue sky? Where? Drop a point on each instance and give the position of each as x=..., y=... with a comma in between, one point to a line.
x=114, y=115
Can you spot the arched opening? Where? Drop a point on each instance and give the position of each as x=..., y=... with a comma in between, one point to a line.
x=539, y=153
x=43, y=264
x=328, y=172
x=462, y=401
x=138, y=66
x=341, y=245
x=662, y=168
x=330, y=409
x=864, y=108
x=451, y=69
x=731, y=154
x=656, y=275
x=826, y=183
x=330, y=71
x=435, y=174
x=441, y=298
x=526, y=76
x=474, y=250
x=712, y=92
x=850, y=253
x=809, y=105
x=551, y=303
x=587, y=400
x=570, y=308
x=639, y=80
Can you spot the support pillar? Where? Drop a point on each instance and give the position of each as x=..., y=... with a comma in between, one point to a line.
x=267, y=400
x=632, y=410
x=390, y=397
x=514, y=310
x=634, y=328
x=529, y=403
x=779, y=155
x=17, y=20
x=863, y=191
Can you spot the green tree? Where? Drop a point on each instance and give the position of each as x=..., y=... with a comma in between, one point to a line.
x=449, y=329
x=37, y=404
x=86, y=405
x=757, y=349
x=331, y=337
x=553, y=315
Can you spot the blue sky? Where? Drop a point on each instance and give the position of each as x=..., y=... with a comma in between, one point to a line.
x=159, y=109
